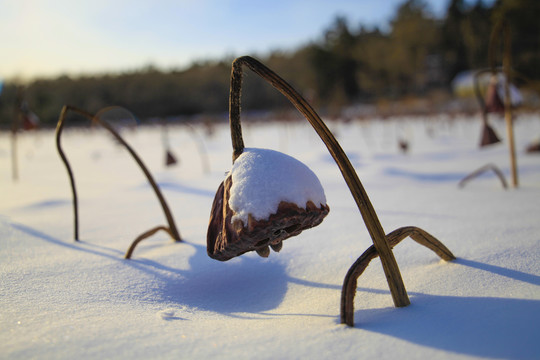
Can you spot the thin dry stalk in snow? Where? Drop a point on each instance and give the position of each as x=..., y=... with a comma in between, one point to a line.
x=172, y=229
x=502, y=27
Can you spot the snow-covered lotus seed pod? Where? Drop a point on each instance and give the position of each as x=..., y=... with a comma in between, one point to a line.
x=266, y=198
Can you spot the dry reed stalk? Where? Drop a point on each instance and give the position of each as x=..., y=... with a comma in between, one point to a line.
x=172, y=230
x=374, y=227
x=502, y=27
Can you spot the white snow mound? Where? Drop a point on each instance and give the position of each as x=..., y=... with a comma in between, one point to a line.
x=263, y=178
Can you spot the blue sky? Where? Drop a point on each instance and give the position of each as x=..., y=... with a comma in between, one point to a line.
x=52, y=37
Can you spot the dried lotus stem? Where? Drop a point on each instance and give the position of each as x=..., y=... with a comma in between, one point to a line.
x=507, y=66
x=172, y=230
x=482, y=170
x=349, y=284
x=391, y=269
x=502, y=27
x=381, y=243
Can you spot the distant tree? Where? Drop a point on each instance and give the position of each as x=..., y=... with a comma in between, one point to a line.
x=334, y=64
x=372, y=53
x=345, y=65
x=414, y=37
x=475, y=32
x=523, y=18
x=452, y=44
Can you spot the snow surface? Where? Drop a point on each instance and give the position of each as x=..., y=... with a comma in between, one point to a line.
x=62, y=300
x=263, y=178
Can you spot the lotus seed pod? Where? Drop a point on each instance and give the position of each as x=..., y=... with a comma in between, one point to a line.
x=274, y=199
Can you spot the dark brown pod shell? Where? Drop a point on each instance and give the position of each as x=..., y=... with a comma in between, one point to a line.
x=170, y=159
x=488, y=136
x=226, y=239
x=533, y=147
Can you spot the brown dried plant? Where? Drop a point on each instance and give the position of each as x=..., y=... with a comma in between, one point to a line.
x=382, y=244
x=97, y=118
x=493, y=103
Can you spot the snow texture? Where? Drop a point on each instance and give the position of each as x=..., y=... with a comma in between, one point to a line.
x=61, y=299
x=263, y=178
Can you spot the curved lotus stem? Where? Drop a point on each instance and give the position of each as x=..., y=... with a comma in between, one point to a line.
x=349, y=284
x=143, y=236
x=172, y=230
x=391, y=269
x=381, y=243
x=482, y=170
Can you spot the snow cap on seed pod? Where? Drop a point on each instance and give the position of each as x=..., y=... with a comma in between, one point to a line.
x=266, y=198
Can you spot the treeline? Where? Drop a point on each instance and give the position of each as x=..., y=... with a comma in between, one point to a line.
x=418, y=55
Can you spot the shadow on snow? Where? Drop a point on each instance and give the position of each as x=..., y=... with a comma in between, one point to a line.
x=247, y=284
x=494, y=327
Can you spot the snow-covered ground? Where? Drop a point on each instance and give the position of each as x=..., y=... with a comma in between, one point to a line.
x=62, y=300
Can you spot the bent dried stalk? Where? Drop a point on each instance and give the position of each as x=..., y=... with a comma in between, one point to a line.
x=374, y=227
x=172, y=229
x=482, y=170
x=349, y=284
x=391, y=269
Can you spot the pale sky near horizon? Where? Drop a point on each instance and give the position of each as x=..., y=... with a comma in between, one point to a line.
x=46, y=38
